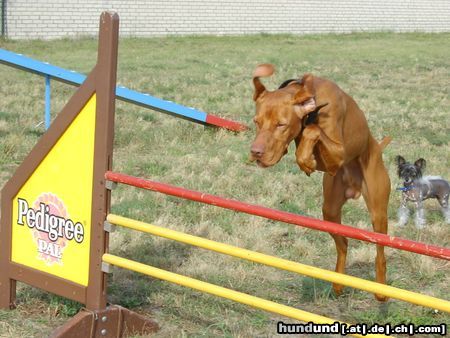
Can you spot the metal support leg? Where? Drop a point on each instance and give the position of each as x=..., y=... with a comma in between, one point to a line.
x=47, y=102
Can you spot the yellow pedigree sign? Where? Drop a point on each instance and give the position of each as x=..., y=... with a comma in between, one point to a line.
x=51, y=219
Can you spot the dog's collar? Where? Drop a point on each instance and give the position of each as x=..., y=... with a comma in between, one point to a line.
x=408, y=188
x=311, y=117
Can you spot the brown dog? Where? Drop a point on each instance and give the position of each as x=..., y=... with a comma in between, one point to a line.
x=331, y=135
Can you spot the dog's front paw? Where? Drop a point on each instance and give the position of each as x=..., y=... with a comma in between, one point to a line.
x=401, y=223
x=446, y=213
x=420, y=224
x=381, y=298
x=403, y=215
x=338, y=289
x=420, y=218
x=308, y=165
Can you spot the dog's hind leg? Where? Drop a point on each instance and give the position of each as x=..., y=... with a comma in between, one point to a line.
x=334, y=198
x=446, y=214
x=376, y=190
x=443, y=201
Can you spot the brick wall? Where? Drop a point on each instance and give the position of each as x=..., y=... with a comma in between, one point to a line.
x=61, y=18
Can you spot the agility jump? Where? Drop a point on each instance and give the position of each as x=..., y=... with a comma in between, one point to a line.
x=54, y=232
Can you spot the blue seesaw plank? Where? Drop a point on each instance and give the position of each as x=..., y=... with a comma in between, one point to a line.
x=40, y=68
x=60, y=74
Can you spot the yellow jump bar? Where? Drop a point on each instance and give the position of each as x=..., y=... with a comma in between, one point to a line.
x=236, y=296
x=311, y=271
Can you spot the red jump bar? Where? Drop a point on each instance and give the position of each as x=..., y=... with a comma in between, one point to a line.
x=282, y=216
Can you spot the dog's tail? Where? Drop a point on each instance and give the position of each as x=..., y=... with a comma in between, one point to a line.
x=263, y=70
x=384, y=142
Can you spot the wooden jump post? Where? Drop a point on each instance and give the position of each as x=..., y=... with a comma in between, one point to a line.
x=54, y=206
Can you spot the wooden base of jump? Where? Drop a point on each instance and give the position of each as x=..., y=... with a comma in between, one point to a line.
x=114, y=321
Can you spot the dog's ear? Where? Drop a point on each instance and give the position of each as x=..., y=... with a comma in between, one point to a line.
x=263, y=70
x=421, y=163
x=400, y=160
x=304, y=101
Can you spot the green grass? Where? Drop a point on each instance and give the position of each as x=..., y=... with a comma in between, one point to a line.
x=399, y=80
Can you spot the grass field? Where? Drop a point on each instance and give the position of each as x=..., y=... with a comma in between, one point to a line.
x=402, y=83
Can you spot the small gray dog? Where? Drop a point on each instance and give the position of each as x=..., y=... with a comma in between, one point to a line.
x=417, y=188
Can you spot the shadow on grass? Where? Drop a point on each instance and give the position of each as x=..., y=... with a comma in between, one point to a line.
x=131, y=289
x=314, y=289
x=34, y=132
x=59, y=305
